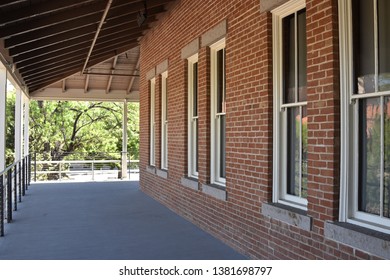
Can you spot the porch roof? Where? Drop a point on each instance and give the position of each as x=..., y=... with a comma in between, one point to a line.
x=72, y=49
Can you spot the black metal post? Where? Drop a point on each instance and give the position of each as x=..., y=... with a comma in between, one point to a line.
x=29, y=170
x=20, y=180
x=15, y=174
x=35, y=166
x=23, y=180
x=9, y=196
x=26, y=171
x=1, y=206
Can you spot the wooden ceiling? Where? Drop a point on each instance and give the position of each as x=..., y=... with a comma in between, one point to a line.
x=74, y=44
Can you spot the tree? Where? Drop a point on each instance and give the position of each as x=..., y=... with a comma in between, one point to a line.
x=63, y=127
x=66, y=129
x=10, y=128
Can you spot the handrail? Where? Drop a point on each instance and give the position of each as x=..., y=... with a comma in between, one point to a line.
x=9, y=167
x=14, y=182
x=84, y=166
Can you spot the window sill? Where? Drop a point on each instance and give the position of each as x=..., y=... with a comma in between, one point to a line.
x=287, y=214
x=151, y=169
x=159, y=172
x=368, y=240
x=162, y=173
x=215, y=191
x=191, y=183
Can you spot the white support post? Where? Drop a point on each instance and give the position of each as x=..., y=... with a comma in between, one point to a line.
x=18, y=125
x=26, y=126
x=124, y=141
x=3, y=102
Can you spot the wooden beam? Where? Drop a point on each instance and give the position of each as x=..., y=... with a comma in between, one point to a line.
x=73, y=52
x=55, y=67
x=55, y=78
x=53, y=58
x=54, y=73
x=54, y=30
x=86, y=85
x=69, y=39
x=44, y=82
x=52, y=51
x=44, y=64
x=41, y=8
x=82, y=35
x=112, y=72
x=64, y=85
x=50, y=21
x=132, y=79
x=73, y=45
x=10, y=3
x=104, y=55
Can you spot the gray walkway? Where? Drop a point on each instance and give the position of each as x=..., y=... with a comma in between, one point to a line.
x=110, y=220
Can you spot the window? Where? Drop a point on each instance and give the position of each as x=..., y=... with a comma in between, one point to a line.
x=193, y=116
x=290, y=105
x=218, y=113
x=152, y=89
x=365, y=99
x=164, y=120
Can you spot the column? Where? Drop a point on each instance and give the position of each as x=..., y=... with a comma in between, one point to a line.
x=26, y=126
x=3, y=102
x=18, y=125
x=124, y=141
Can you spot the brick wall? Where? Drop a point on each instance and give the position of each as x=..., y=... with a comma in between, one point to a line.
x=238, y=221
x=323, y=111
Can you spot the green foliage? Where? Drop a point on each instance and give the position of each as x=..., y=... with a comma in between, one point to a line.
x=10, y=128
x=67, y=127
x=59, y=128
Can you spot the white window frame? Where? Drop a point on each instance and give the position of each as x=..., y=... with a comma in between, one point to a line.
x=164, y=121
x=215, y=116
x=349, y=130
x=152, y=158
x=192, y=120
x=280, y=194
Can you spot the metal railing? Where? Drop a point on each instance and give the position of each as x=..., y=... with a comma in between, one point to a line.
x=83, y=166
x=14, y=182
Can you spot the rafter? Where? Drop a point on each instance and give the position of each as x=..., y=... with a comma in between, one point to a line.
x=64, y=85
x=114, y=62
x=41, y=8
x=54, y=30
x=132, y=79
x=86, y=85
x=48, y=22
x=48, y=41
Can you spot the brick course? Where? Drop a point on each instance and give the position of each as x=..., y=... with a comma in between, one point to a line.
x=249, y=147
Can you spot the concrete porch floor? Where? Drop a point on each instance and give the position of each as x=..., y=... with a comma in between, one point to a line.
x=103, y=221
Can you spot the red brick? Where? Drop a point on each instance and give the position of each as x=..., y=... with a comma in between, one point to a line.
x=238, y=222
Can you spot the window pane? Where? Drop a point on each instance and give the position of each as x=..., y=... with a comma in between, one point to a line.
x=221, y=81
x=304, y=152
x=166, y=98
x=289, y=58
x=384, y=44
x=293, y=151
x=196, y=145
x=386, y=192
x=302, y=50
x=222, y=172
x=195, y=89
x=370, y=158
x=363, y=40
